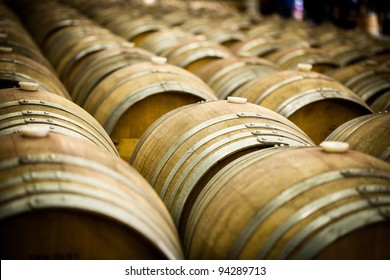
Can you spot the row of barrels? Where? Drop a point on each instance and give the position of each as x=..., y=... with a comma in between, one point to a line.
x=233, y=175
x=64, y=191
x=124, y=87
x=232, y=69
x=21, y=60
x=283, y=42
x=239, y=180
x=242, y=182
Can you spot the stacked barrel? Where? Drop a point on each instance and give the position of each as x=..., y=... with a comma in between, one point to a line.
x=21, y=59
x=244, y=137
x=65, y=193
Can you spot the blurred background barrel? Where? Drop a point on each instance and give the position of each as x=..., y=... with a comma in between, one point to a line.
x=368, y=134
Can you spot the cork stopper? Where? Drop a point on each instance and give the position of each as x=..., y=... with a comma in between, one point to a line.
x=160, y=60
x=237, y=100
x=32, y=131
x=304, y=67
x=334, y=146
x=244, y=54
x=28, y=86
x=128, y=44
x=201, y=37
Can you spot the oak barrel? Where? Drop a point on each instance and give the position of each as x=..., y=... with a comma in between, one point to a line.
x=64, y=199
x=20, y=108
x=183, y=148
x=16, y=68
x=293, y=203
x=193, y=54
x=129, y=100
x=315, y=102
x=368, y=134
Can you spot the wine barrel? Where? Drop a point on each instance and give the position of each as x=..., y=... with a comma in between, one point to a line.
x=185, y=147
x=316, y=103
x=61, y=42
x=158, y=42
x=368, y=134
x=197, y=25
x=225, y=35
x=293, y=203
x=227, y=75
x=194, y=54
x=344, y=53
x=13, y=35
x=44, y=19
x=135, y=29
x=64, y=61
x=20, y=108
x=16, y=68
x=130, y=99
x=256, y=46
x=290, y=57
x=382, y=103
x=368, y=79
x=64, y=199
x=92, y=69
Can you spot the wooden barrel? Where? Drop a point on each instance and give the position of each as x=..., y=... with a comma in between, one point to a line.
x=88, y=72
x=382, y=103
x=345, y=53
x=130, y=99
x=135, y=29
x=16, y=68
x=14, y=36
x=316, y=103
x=175, y=18
x=56, y=18
x=84, y=46
x=45, y=18
x=225, y=35
x=290, y=57
x=369, y=134
x=180, y=152
x=371, y=84
x=20, y=108
x=268, y=28
x=197, y=25
x=193, y=54
x=256, y=46
x=212, y=71
x=368, y=79
x=227, y=75
x=160, y=41
x=65, y=199
x=375, y=47
x=272, y=204
x=63, y=40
